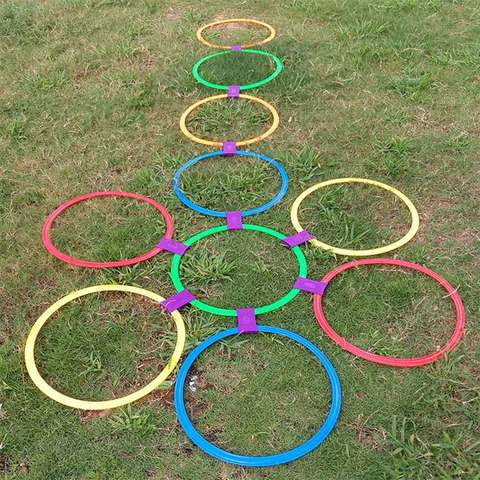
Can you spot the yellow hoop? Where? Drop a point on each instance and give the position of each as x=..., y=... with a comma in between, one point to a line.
x=270, y=37
x=191, y=108
x=99, y=405
x=357, y=253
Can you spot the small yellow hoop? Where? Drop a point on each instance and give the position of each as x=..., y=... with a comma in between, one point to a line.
x=270, y=37
x=211, y=143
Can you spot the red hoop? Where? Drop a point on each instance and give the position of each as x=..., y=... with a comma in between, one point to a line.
x=385, y=360
x=117, y=263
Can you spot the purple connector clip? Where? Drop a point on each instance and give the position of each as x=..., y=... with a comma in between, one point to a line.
x=172, y=246
x=311, y=286
x=229, y=148
x=234, y=220
x=246, y=320
x=233, y=91
x=177, y=301
x=236, y=48
x=297, y=239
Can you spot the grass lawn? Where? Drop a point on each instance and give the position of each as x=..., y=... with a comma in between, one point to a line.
x=91, y=92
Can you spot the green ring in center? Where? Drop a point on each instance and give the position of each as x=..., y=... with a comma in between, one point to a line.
x=228, y=312
x=218, y=86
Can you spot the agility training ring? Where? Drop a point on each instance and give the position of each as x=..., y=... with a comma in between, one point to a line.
x=47, y=226
x=269, y=78
x=258, y=461
x=215, y=213
x=385, y=360
x=177, y=282
x=191, y=108
x=45, y=388
x=357, y=253
x=202, y=39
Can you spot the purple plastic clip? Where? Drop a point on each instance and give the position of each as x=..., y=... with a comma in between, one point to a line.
x=177, y=301
x=234, y=220
x=172, y=246
x=311, y=286
x=236, y=48
x=297, y=239
x=229, y=148
x=233, y=91
x=246, y=320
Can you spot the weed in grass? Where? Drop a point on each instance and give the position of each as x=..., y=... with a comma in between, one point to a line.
x=386, y=345
x=395, y=117
x=46, y=82
x=411, y=84
x=396, y=147
x=395, y=155
x=130, y=420
x=15, y=130
x=93, y=364
x=135, y=31
x=449, y=458
x=458, y=142
x=206, y=269
x=230, y=350
x=302, y=165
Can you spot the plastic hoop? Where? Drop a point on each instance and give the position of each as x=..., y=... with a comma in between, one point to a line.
x=45, y=388
x=258, y=461
x=210, y=143
x=385, y=360
x=270, y=37
x=215, y=213
x=177, y=282
x=357, y=253
x=218, y=86
x=47, y=226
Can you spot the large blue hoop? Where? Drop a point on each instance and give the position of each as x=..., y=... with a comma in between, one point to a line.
x=268, y=460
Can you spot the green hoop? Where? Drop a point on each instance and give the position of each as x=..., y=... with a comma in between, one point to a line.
x=199, y=78
x=228, y=312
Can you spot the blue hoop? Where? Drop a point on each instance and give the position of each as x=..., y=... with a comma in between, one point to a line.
x=215, y=213
x=258, y=461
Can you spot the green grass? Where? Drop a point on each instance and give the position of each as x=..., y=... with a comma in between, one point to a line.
x=91, y=92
